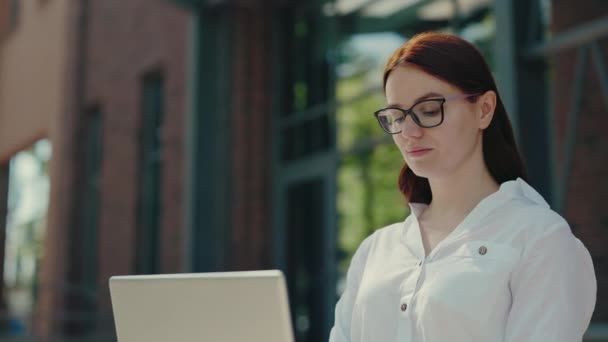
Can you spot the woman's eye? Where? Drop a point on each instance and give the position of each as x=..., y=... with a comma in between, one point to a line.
x=430, y=112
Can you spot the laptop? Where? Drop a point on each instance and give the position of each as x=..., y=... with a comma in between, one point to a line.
x=215, y=307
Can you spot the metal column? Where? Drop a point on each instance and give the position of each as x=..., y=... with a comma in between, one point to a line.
x=522, y=82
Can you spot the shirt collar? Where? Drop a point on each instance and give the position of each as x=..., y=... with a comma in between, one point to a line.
x=509, y=190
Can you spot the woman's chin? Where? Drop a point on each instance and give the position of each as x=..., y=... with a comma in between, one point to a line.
x=418, y=171
x=424, y=171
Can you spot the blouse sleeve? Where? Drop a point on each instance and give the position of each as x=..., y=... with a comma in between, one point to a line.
x=340, y=332
x=553, y=290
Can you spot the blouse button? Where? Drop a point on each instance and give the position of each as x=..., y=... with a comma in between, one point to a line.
x=403, y=307
x=483, y=250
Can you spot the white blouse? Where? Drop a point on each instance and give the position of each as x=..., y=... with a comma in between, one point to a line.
x=512, y=271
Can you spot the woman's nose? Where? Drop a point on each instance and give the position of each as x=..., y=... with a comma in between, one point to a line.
x=409, y=128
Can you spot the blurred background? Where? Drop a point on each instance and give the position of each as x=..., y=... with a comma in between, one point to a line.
x=169, y=136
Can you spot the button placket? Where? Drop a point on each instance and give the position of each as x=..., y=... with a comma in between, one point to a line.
x=410, y=287
x=420, y=276
x=418, y=284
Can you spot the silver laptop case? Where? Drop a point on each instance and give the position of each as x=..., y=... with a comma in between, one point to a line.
x=216, y=307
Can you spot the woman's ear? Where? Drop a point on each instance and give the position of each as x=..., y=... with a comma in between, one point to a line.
x=487, y=105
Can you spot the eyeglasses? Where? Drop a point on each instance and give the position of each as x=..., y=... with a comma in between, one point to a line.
x=426, y=113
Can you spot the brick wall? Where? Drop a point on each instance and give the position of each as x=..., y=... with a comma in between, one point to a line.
x=125, y=40
x=4, y=18
x=251, y=135
x=587, y=189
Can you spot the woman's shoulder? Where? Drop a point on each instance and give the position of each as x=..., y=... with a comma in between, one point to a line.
x=541, y=219
x=538, y=228
x=379, y=239
x=392, y=232
x=389, y=234
x=527, y=209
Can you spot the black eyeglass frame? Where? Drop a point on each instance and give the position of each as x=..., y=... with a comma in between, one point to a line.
x=409, y=111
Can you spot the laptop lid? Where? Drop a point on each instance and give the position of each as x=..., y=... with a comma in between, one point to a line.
x=217, y=307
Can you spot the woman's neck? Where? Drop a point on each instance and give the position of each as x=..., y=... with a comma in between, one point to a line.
x=456, y=195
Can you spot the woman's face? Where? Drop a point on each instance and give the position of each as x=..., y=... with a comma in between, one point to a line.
x=450, y=145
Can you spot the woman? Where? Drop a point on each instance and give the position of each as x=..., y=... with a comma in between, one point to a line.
x=482, y=257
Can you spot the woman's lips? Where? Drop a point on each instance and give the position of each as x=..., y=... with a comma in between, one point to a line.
x=418, y=153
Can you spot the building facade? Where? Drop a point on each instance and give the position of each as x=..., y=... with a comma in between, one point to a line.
x=197, y=136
